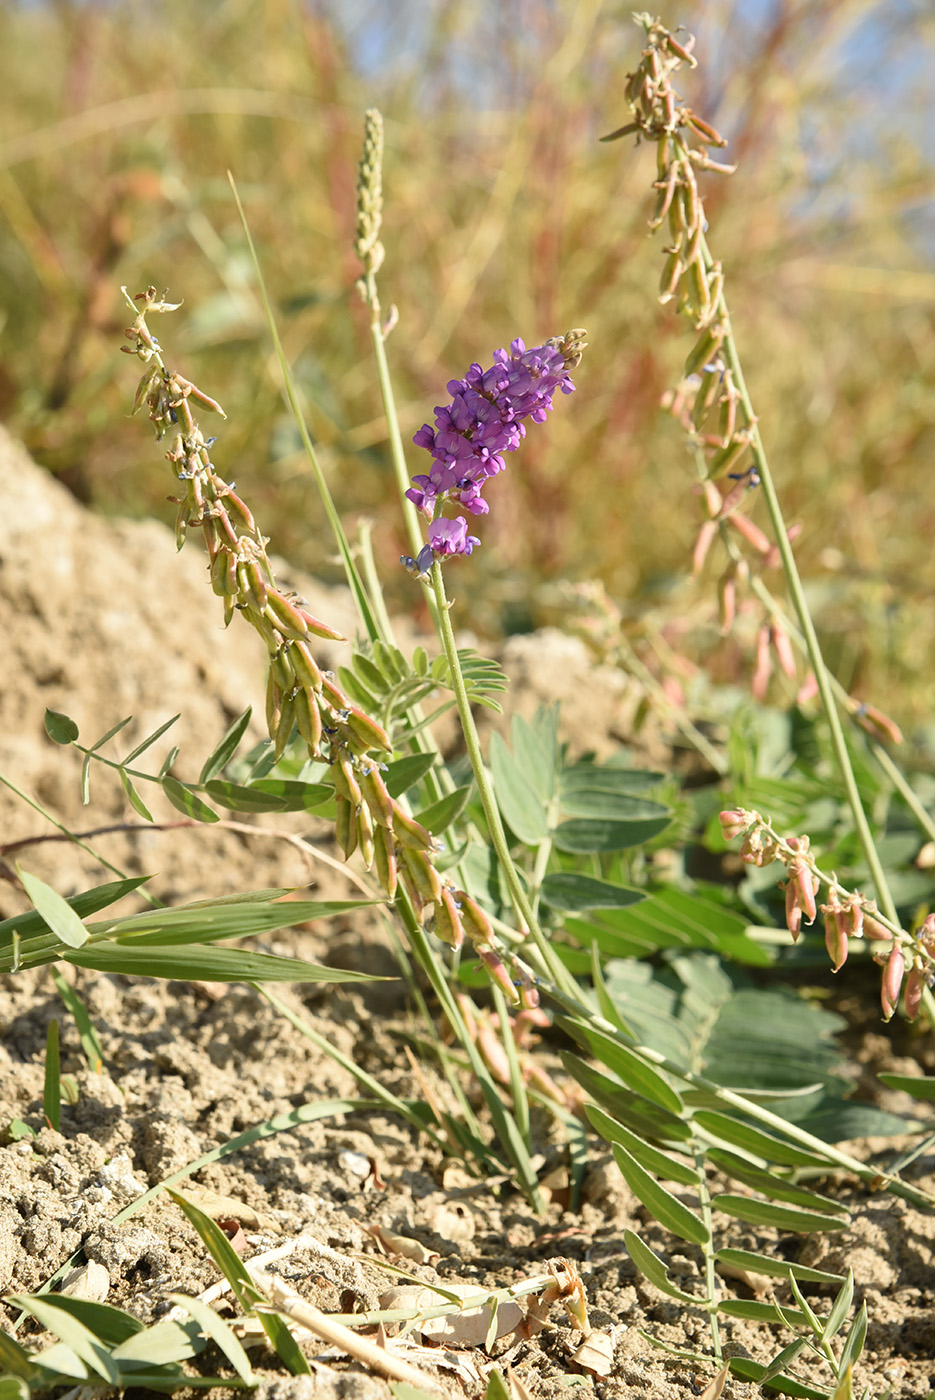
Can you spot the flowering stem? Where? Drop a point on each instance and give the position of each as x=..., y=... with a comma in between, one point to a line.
x=518, y=896
x=793, y=578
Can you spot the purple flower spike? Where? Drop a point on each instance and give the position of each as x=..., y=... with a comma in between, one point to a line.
x=483, y=421
x=451, y=537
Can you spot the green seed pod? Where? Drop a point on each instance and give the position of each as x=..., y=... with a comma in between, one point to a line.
x=308, y=718
x=705, y=348
x=304, y=665
x=284, y=617
x=366, y=731
x=408, y=832
x=375, y=794
x=321, y=629
x=448, y=926
x=273, y=705
x=224, y=573
x=476, y=924
x=345, y=827
x=345, y=781
x=365, y=842
x=251, y=585
x=422, y=873
x=241, y=511
x=671, y=272
x=280, y=666
x=384, y=854
x=285, y=726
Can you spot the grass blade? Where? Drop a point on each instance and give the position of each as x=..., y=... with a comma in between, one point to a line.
x=90, y=1041
x=52, y=1088
x=217, y=1329
x=245, y=1291
x=54, y=910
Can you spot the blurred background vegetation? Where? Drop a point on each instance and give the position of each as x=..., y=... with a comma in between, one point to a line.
x=504, y=216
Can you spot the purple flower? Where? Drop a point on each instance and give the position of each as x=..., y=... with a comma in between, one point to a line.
x=451, y=536
x=481, y=423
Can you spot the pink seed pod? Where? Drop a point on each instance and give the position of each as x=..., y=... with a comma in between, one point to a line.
x=706, y=537
x=727, y=599
x=806, y=884
x=912, y=998
x=835, y=937
x=793, y=911
x=892, y=981
x=807, y=690
x=751, y=533
x=732, y=823
x=877, y=724
x=784, y=650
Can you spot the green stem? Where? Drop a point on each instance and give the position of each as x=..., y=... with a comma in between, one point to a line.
x=800, y=603
x=711, y=1281
x=518, y=896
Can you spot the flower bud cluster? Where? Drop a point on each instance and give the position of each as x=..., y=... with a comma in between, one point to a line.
x=299, y=694
x=847, y=913
x=483, y=421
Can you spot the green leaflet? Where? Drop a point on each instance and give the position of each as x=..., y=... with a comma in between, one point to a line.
x=654, y=1269
x=661, y=1204
x=782, y=1217
x=649, y=1157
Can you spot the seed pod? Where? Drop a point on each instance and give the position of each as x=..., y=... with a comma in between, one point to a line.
x=284, y=617
x=285, y=725
x=705, y=398
x=725, y=459
x=705, y=348
x=835, y=937
x=384, y=854
x=669, y=280
x=182, y=521
x=422, y=873
x=477, y=926
x=366, y=731
x=333, y=693
x=706, y=536
x=365, y=841
x=448, y=926
x=241, y=510
x=912, y=998
x=273, y=705
x=409, y=832
x=304, y=665
x=793, y=911
x=224, y=574
x=252, y=586
x=320, y=629
x=892, y=981
x=345, y=826
x=280, y=666
x=308, y=717
x=344, y=778
x=375, y=794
